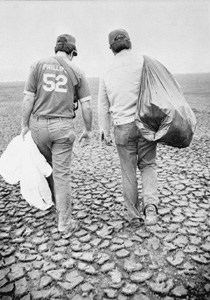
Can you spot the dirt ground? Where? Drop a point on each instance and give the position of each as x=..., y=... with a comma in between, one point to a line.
x=105, y=258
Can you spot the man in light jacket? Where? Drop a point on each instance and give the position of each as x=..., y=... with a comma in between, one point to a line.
x=118, y=94
x=48, y=111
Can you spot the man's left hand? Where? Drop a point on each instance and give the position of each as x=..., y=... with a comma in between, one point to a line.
x=86, y=138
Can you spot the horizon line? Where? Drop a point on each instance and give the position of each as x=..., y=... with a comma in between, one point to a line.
x=89, y=77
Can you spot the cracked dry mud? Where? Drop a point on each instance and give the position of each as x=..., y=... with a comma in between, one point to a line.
x=105, y=258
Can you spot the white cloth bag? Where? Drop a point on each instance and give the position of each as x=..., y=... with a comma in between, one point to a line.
x=10, y=161
x=22, y=161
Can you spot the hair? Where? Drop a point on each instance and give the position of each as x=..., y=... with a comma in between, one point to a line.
x=121, y=45
x=65, y=48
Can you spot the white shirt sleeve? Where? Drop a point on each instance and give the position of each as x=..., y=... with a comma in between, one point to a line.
x=104, y=117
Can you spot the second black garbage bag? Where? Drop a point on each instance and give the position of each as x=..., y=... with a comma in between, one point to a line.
x=163, y=114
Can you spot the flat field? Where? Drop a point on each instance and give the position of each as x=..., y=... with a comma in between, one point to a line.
x=196, y=88
x=106, y=258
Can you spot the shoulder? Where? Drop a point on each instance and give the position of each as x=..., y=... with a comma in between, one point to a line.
x=136, y=57
x=107, y=69
x=78, y=71
x=42, y=61
x=34, y=64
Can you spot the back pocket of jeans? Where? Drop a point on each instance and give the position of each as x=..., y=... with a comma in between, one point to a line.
x=121, y=135
x=67, y=134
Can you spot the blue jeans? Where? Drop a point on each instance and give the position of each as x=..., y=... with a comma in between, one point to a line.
x=55, y=138
x=135, y=151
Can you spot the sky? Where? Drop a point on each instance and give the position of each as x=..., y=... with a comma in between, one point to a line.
x=175, y=32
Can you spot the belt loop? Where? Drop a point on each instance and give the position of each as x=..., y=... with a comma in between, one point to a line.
x=37, y=118
x=60, y=119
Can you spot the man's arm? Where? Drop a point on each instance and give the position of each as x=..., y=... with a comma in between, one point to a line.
x=104, y=117
x=87, y=118
x=27, y=106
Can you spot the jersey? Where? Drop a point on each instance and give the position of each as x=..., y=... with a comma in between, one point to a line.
x=54, y=92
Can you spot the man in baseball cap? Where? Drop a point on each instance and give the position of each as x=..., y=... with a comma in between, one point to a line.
x=49, y=112
x=118, y=94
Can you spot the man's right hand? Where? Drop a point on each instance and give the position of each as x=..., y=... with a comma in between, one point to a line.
x=24, y=130
x=107, y=139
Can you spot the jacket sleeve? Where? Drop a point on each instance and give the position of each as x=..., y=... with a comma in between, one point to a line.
x=104, y=117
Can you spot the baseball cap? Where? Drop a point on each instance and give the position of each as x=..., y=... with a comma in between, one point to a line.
x=66, y=39
x=118, y=34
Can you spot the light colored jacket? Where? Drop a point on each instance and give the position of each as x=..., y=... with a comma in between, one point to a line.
x=119, y=90
x=22, y=161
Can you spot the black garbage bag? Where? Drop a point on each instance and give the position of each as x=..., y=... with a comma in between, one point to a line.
x=163, y=114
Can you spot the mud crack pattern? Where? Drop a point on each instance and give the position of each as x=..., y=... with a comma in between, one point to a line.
x=106, y=258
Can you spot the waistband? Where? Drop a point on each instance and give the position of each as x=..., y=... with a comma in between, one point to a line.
x=124, y=121
x=36, y=117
